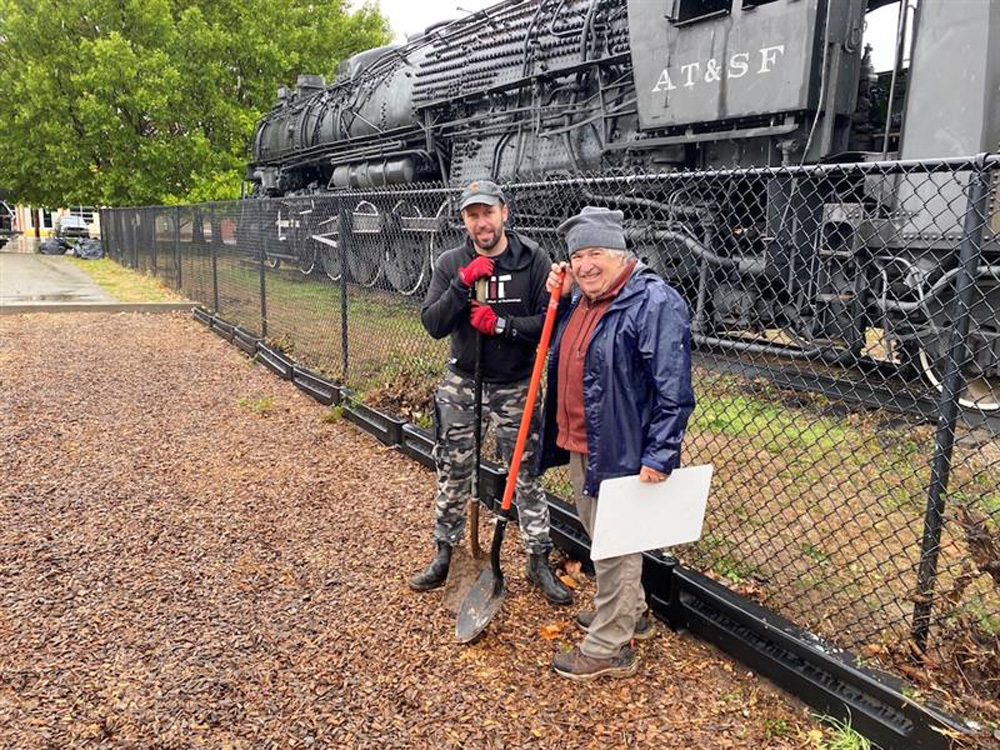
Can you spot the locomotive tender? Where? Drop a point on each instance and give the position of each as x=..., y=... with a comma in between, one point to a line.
x=534, y=89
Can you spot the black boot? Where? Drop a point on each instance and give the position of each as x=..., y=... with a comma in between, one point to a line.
x=436, y=572
x=551, y=587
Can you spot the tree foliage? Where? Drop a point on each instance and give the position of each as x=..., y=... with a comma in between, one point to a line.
x=132, y=102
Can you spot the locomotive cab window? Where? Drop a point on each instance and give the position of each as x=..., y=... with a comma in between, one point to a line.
x=689, y=11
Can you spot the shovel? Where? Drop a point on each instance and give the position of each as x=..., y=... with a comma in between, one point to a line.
x=465, y=568
x=486, y=596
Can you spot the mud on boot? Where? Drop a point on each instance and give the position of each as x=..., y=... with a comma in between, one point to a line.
x=436, y=573
x=540, y=574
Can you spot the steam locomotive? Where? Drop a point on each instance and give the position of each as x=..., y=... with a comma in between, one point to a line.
x=534, y=89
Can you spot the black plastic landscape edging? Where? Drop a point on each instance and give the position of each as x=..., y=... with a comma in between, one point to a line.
x=246, y=341
x=820, y=674
x=387, y=429
x=275, y=361
x=823, y=676
x=224, y=329
x=325, y=391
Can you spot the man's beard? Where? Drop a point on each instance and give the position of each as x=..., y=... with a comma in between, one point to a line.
x=490, y=246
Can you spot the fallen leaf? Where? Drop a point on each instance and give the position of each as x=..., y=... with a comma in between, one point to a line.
x=872, y=649
x=569, y=581
x=552, y=631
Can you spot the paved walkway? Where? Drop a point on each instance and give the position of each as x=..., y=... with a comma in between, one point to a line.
x=46, y=279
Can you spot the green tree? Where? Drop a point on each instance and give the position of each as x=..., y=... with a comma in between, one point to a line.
x=132, y=102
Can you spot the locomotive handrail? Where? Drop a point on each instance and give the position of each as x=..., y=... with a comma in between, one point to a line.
x=899, y=166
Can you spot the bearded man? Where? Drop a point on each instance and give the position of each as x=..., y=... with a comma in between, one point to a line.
x=510, y=322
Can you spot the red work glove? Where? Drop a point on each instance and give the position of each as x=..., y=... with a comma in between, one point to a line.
x=477, y=269
x=482, y=318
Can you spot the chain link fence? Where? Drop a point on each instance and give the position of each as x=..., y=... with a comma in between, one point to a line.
x=846, y=321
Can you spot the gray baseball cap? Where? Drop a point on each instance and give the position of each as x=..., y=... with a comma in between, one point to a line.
x=482, y=191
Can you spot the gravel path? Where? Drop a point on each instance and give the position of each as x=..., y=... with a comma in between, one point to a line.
x=190, y=556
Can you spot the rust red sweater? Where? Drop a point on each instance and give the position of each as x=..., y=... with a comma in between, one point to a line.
x=572, y=356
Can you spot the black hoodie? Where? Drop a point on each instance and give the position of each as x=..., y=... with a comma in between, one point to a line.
x=516, y=292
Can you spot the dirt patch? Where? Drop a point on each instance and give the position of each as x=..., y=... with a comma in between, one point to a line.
x=181, y=569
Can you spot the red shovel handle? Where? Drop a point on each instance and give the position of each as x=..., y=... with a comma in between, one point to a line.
x=529, y=405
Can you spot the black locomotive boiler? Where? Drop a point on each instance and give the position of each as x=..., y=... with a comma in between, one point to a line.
x=750, y=104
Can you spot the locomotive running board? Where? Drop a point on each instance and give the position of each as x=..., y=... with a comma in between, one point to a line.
x=823, y=676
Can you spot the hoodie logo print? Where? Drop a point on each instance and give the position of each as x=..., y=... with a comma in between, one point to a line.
x=498, y=289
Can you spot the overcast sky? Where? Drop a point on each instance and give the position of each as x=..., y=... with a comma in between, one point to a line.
x=410, y=16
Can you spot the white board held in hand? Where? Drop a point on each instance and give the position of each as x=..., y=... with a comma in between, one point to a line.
x=634, y=516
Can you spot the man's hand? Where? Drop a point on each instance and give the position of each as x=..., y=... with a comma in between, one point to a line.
x=477, y=269
x=647, y=474
x=482, y=318
x=567, y=284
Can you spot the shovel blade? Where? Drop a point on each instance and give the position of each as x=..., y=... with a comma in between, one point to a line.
x=479, y=607
x=463, y=572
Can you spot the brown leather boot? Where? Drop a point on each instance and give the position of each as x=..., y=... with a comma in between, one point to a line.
x=577, y=666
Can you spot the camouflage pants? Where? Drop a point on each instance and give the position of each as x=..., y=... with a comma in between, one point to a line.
x=454, y=454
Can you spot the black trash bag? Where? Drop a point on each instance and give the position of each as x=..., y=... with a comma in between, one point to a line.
x=53, y=246
x=89, y=249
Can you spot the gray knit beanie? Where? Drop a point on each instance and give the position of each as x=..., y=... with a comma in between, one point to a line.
x=594, y=227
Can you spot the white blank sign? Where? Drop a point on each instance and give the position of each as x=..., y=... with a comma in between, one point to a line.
x=634, y=516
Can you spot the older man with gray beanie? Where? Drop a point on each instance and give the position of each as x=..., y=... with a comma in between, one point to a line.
x=621, y=366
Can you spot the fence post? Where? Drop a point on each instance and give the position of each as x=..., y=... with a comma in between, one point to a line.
x=263, y=286
x=215, y=255
x=948, y=410
x=344, y=234
x=177, y=245
x=136, y=238
x=105, y=244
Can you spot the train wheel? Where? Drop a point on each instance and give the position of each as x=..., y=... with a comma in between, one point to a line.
x=366, y=252
x=407, y=256
x=329, y=258
x=363, y=263
x=982, y=376
x=980, y=392
x=445, y=237
x=304, y=247
x=307, y=258
x=324, y=238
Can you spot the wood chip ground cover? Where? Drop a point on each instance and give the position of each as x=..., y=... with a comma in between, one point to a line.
x=191, y=556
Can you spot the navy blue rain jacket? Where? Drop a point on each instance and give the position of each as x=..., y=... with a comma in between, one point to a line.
x=636, y=383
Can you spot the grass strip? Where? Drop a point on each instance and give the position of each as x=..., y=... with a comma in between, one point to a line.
x=124, y=284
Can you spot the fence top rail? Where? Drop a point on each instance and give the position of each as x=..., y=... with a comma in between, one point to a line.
x=985, y=161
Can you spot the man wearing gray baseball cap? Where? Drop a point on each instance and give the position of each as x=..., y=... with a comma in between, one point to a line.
x=509, y=321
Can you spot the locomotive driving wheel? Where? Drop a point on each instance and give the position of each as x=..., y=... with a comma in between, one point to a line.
x=444, y=237
x=324, y=236
x=407, y=253
x=981, y=371
x=305, y=247
x=366, y=252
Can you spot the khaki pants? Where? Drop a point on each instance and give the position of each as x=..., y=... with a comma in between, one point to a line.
x=620, y=600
